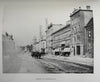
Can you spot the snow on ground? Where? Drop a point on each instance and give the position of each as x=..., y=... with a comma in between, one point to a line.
x=11, y=61
x=15, y=60
x=74, y=59
x=30, y=65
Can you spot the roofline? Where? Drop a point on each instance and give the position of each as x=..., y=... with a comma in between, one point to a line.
x=78, y=11
x=51, y=25
x=61, y=29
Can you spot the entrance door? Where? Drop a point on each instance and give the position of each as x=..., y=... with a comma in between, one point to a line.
x=78, y=50
x=74, y=51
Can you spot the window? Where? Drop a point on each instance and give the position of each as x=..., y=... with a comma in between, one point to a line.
x=78, y=37
x=78, y=50
x=89, y=34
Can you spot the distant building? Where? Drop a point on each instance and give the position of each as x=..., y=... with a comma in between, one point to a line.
x=37, y=46
x=79, y=25
x=51, y=29
x=40, y=45
x=43, y=45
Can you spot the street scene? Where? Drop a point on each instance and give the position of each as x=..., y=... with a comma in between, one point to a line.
x=52, y=47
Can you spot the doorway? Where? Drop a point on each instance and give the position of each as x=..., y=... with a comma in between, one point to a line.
x=78, y=50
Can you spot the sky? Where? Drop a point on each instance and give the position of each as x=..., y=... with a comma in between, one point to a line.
x=23, y=18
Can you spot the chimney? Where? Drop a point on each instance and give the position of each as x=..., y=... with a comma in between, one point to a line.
x=88, y=7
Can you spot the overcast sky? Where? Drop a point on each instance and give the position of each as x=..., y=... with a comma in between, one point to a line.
x=23, y=18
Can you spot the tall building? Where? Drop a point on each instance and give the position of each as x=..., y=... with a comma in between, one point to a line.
x=79, y=21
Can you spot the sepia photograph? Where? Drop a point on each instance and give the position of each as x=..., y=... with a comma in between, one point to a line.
x=48, y=37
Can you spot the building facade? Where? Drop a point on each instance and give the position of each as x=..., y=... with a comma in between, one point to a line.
x=40, y=45
x=79, y=20
x=51, y=29
x=48, y=38
x=62, y=38
x=89, y=39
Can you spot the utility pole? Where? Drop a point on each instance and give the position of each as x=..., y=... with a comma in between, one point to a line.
x=46, y=22
x=41, y=37
x=34, y=42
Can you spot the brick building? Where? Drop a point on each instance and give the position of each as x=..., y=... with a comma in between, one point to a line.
x=79, y=21
x=51, y=29
x=89, y=38
x=62, y=38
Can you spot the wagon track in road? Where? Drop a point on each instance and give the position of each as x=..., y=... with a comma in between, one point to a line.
x=51, y=67
x=74, y=67
x=65, y=67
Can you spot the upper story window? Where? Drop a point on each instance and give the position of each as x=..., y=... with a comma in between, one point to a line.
x=89, y=34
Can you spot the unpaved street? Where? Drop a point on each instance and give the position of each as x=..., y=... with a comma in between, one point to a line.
x=46, y=65
x=24, y=63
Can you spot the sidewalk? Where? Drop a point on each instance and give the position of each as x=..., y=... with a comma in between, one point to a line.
x=73, y=59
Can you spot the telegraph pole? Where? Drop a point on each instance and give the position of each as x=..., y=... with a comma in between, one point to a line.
x=41, y=37
x=46, y=24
